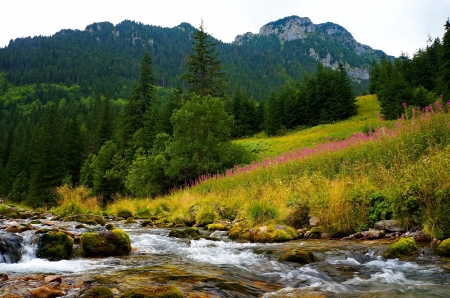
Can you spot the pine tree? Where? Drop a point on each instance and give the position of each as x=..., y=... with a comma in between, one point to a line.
x=204, y=74
x=47, y=170
x=445, y=66
x=272, y=119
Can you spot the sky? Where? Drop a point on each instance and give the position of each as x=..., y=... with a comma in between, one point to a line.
x=394, y=26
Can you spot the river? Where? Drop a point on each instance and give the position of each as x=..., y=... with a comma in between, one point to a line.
x=230, y=269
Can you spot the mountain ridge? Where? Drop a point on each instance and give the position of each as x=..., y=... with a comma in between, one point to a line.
x=105, y=56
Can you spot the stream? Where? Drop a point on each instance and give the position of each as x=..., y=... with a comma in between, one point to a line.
x=230, y=269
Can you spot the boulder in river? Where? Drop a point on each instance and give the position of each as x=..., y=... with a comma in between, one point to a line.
x=10, y=247
x=403, y=247
x=54, y=246
x=272, y=233
x=444, y=248
x=299, y=256
x=190, y=232
x=390, y=225
x=106, y=243
x=154, y=292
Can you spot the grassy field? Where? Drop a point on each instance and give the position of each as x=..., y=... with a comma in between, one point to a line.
x=346, y=175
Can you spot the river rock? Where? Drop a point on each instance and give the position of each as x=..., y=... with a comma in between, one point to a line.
x=373, y=234
x=10, y=247
x=52, y=278
x=105, y=243
x=272, y=233
x=403, y=247
x=150, y=292
x=298, y=256
x=99, y=292
x=54, y=246
x=190, y=232
x=389, y=225
x=46, y=292
x=217, y=227
x=444, y=248
x=3, y=277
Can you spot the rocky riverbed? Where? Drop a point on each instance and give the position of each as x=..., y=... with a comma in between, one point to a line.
x=200, y=262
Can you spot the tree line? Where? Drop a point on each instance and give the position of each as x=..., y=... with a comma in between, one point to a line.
x=414, y=82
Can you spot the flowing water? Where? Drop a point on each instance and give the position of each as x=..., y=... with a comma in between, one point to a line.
x=230, y=269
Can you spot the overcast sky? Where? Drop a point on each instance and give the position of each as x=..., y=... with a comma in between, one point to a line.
x=394, y=26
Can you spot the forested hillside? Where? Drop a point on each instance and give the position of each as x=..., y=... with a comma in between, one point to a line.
x=106, y=57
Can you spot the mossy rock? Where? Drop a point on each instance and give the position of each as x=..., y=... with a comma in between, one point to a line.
x=443, y=249
x=186, y=233
x=217, y=227
x=99, y=292
x=54, y=246
x=110, y=227
x=88, y=219
x=147, y=222
x=154, y=292
x=130, y=220
x=125, y=214
x=272, y=233
x=315, y=233
x=403, y=247
x=298, y=256
x=206, y=238
x=106, y=243
x=239, y=231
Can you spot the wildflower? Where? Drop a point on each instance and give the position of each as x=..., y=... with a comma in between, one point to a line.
x=448, y=102
x=404, y=104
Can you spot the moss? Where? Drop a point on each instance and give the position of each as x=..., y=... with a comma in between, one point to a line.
x=403, y=247
x=217, y=227
x=99, y=292
x=54, y=246
x=130, y=220
x=444, y=248
x=272, y=233
x=124, y=214
x=110, y=227
x=154, y=292
x=147, y=222
x=315, y=233
x=239, y=231
x=298, y=256
x=186, y=233
x=106, y=243
x=206, y=238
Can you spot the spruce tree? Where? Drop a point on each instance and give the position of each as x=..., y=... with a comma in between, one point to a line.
x=445, y=66
x=272, y=118
x=47, y=170
x=204, y=74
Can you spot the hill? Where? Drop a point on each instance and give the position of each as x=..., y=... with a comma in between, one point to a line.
x=106, y=56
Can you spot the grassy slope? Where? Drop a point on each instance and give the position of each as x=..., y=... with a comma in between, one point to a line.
x=368, y=109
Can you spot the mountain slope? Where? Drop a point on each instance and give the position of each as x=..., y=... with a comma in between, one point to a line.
x=104, y=56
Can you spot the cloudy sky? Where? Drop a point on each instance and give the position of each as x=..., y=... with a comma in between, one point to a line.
x=394, y=26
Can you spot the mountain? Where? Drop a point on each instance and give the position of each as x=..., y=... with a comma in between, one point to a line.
x=106, y=57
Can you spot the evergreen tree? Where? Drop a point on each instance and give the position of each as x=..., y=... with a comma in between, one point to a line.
x=47, y=171
x=445, y=68
x=73, y=148
x=272, y=117
x=374, y=78
x=204, y=74
x=344, y=104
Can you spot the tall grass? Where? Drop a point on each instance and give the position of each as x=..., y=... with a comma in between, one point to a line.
x=76, y=200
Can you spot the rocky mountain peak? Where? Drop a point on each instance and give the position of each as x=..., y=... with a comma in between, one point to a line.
x=289, y=28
